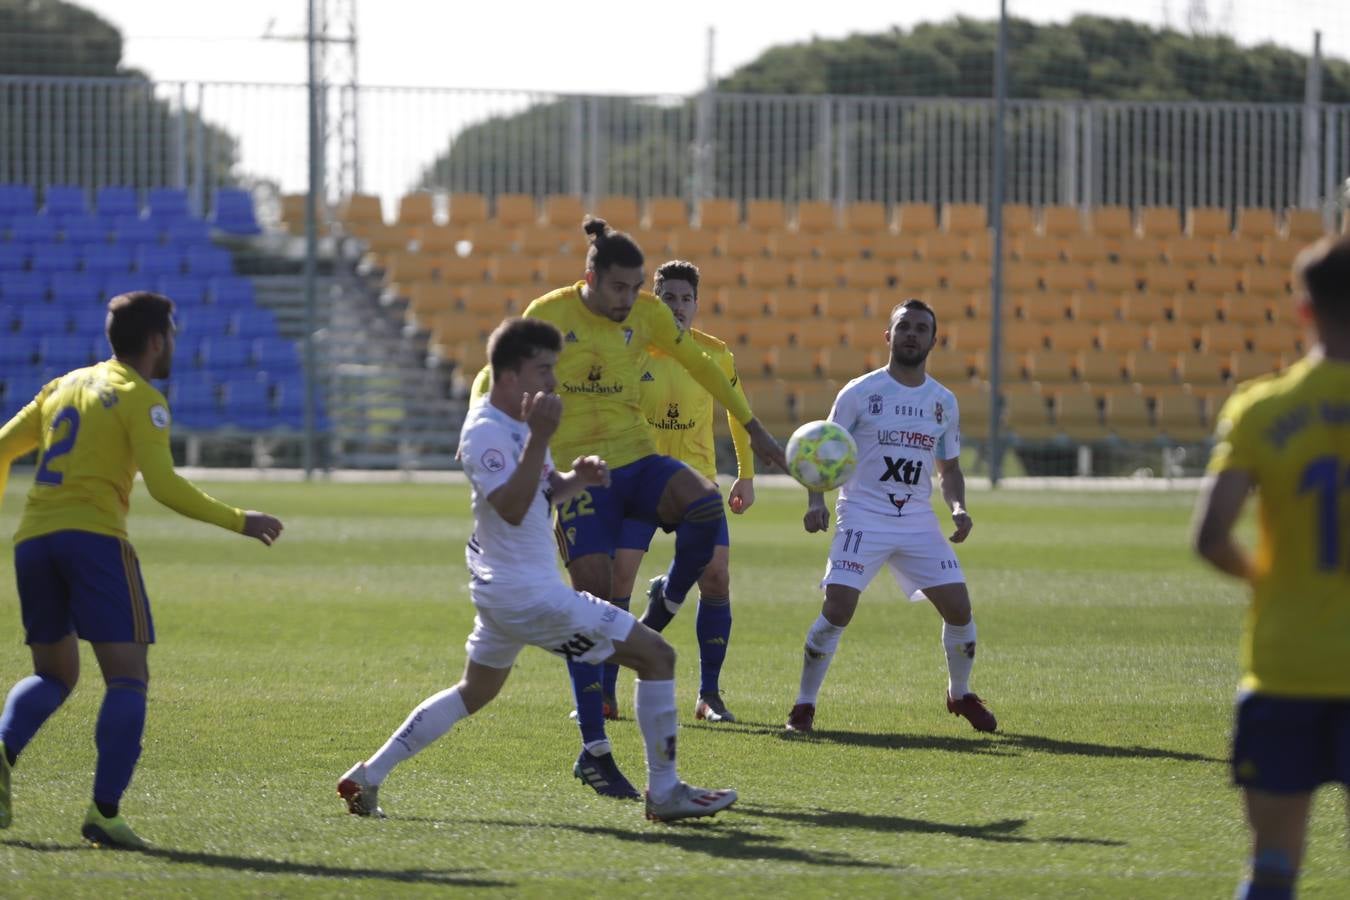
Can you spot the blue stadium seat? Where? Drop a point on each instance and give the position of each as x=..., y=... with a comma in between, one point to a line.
x=169, y=204
x=204, y=321
x=154, y=260
x=276, y=355
x=222, y=353
x=20, y=389
x=232, y=291
x=195, y=401
x=54, y=258
x=32, y=229
x=135, y=230
x=14, y=257
x=255, y=323
x=17, y=199
x=17, y=352
x=209, y=260
x=75, y=288
x=233, y=213
x=247, y=404
x=61, y=200
x=106, y=258
x=43, y=318
x=187, y=232
x=90, y=321
x=112, y=202
x=84, y=230
x=8, y=316
x=184, y=290
x=125, y=282
x=290, y=404
x=23, y=287
x=67, y=351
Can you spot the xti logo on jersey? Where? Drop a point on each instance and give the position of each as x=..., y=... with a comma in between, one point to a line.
x=906, y=471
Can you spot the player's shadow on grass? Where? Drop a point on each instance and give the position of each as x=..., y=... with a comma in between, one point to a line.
x=714, y=839
x=1004, y=831
x=448, y=877
x=999, y=744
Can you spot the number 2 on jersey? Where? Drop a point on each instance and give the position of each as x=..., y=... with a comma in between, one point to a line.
x=59, y=447
x=1325, y=476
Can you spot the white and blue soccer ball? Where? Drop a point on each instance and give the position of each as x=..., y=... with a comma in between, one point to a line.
x=821, y=455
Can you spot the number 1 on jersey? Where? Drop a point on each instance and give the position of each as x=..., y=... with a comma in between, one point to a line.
x=1324, y=476
x=59, y=447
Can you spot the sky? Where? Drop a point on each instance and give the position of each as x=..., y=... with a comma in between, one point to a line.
x=531, y=44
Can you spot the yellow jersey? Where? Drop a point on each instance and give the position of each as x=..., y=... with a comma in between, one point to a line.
x=93, y=429
x=598, y=375
x=680, y=410
x=1290, y=432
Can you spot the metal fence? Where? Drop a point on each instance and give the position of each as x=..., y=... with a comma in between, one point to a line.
x=390, y=141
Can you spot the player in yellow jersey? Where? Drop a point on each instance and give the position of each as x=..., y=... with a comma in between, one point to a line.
x=680, y=412
x=608, y=324
x=1287, y=438
x=78, y=577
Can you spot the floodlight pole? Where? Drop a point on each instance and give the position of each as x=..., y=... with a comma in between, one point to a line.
x=311, y=238
x=996, y=222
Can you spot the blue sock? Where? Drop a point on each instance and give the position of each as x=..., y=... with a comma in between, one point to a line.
x=30, y=703
x=695, y=540
x=1273, y=876
x=611, y=677
x=588, y=689
x=713, y=627
x=121, y=722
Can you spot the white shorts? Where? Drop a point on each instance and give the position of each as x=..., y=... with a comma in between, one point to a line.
x=917, y=559
x=573, y=624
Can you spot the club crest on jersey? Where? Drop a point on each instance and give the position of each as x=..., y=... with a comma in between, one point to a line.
x=627, y=336
x=647, y=376
x=595, y=374
x=571, y=337
x=493, y=460
x=937, y=413
x=673, y=411
x=874, y=404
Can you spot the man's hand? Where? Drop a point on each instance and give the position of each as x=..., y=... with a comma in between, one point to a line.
x=817, y=516
x=591, y=471
x=742, y=495
x=542, y=413
x=262, y=526
x=765, y=447
x=961, y=519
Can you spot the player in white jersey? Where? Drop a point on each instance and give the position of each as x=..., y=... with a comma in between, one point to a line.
x=907, y=427
x=517, y=590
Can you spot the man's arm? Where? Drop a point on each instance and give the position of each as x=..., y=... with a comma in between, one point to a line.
x=1216, y=514
x=19, y=435
x=512, y=500
x=954, y=493
x=180, y=495
x=587, y=472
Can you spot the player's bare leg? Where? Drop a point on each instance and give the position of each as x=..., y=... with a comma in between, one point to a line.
x=30, y=703
x=668, y=798
x=1279, y=825
x=952, y=602
x=822, y=640
x=713, y=627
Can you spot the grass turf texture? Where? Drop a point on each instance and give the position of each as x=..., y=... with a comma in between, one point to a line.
x=1107, y=651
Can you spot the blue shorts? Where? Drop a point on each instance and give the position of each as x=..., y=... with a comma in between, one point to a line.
x=82, y=582
x=591, y=521
x=637, y=534
x=1290, y=745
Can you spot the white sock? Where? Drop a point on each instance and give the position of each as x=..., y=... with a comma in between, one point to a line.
x=433, y=717
x=597, y=748
x=821, y=641
x=654, y=707
x=959, y=643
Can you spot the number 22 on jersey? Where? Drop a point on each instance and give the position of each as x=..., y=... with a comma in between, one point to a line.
x=59, y=447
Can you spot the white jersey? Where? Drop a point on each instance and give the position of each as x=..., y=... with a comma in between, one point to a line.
x=500, y=553
x=900, y=431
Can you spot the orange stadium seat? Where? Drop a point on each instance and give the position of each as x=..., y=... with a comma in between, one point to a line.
x=546, y=240
x=1280, y=253
x=1036, y=248
x=665, y=213
x=1216, y=281
x=1195, y=309
x=1066, y=277
x=1159, y=222
x=1236, y=252
x=1223, y=338
x=1078, y=415
x=564, y=211
x=1111, y=222
x=511, y=269
x=766, y=333
x=1304, y=225
x=716, y=272
x=743, y=243
x=1256, y=223
x=1265, y=282
x=515, y=210
x=1163, y=278
x=970, y=277
x=814, y=273
x=1096, y=306
x=1099, y=368
x=1019, y=276
x=1244, y=309
x=795, y=362
x=948, y=368
x=556, y=271
x=1087, y=249
x=1208, y=222
x=489, y=237
x=790, y=245
x=486, y=300
x=795, y=303
x=1127, y=415
x=866, y=217
x=1050, y=367
x=1244, y=365
x=470, y=209
x=1278, y=337
x=838, y=245
x=718, y=213
x=765, y=274
x=848, y=304
x=1178, y=415
x=1073, y=337
x=1187, y=252
x=1018, y=219
x=407, y=268
x=360, y=209
x=942, y=247
x=1151, y=366
x=916, y=277
x=692, y=243
x=915, y=218
x=1012, y=364
x=417, y=209
x=1124, y=336
x=454, y=269
x=437, y=238
x=964, y=218
x=865, y=274
x=620, y=211
x=1204, y=372
x=427, y=299
x=1029, y=415
x=887, y=246
x=812, y=400
x=1107, y=278
x=1138, y=252
x=1061, y=221
x=815, y=216
x=765, y=215
x=1042, y=307
x=1171, y=337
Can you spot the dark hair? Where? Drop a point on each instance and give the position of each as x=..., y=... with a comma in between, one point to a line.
x=912, y=303
x=1324, y=270
x=676, y=270
x=610, y=247
x=133, y=317
x=517, y=340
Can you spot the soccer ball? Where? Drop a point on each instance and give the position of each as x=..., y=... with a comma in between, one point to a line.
x=821, y=455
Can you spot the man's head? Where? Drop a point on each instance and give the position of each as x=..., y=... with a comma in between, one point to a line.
x=523, y=353
x=912, y=332
x=140, y=329
x=676, y=283
x=1323, y=275
x=614, y=272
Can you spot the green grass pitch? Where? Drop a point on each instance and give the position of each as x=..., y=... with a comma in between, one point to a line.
x=1106, y=649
